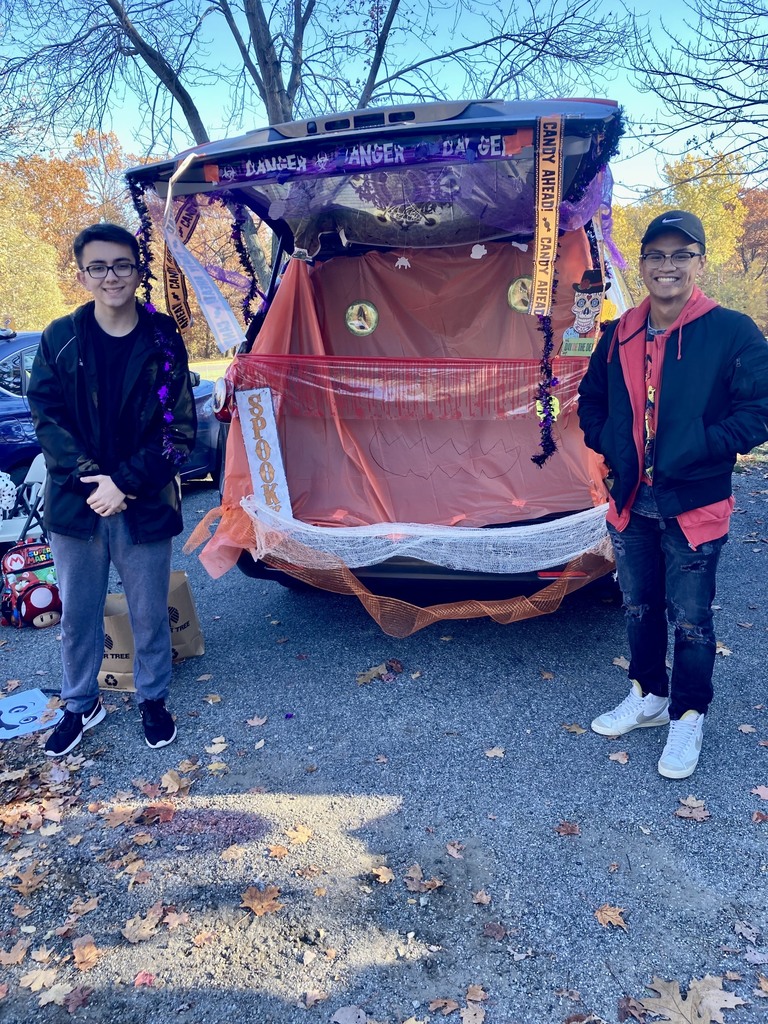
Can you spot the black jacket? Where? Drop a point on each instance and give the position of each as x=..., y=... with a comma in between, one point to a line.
x=712, y=404
x=156, y=425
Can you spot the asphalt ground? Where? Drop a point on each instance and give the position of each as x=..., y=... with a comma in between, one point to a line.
x=352, y=779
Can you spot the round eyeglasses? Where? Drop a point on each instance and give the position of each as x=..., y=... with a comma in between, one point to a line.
x=98, y=271
x=681, y=258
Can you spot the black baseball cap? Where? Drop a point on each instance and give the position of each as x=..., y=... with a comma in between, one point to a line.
x=676, y=220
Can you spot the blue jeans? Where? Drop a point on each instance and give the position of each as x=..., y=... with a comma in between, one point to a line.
x=658, y=571
x=82, y=569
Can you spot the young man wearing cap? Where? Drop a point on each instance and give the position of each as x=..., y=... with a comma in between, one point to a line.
x=114, y=412
x=674, y=390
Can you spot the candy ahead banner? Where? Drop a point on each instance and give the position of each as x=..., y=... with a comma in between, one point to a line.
x=226, y=330
x=176, y=294
x=549, y=187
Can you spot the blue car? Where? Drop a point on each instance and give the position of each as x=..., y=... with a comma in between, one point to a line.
x=18, y=444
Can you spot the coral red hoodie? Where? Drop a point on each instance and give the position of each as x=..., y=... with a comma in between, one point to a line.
x=701, y=524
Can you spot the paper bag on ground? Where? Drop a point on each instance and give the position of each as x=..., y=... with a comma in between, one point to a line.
x=186, y=637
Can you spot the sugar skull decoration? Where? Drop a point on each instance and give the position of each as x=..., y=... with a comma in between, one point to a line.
x=588, y=301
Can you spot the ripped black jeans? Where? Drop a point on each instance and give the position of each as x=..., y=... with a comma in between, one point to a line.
x=658, y=573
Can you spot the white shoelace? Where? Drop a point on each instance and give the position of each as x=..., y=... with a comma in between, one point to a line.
x=680, y=735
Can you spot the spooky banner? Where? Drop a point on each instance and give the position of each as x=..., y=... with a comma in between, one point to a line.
x=549, y=185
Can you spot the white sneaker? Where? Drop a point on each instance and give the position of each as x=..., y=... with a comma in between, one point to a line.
x=681, y=751
x=634, y=712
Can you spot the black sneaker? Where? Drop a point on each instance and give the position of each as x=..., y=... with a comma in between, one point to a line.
x=68, y=733
x=159, y=726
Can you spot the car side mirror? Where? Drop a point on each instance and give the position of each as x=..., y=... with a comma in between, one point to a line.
x=194, y=378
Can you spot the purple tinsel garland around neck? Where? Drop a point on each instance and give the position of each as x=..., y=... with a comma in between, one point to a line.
x=164, y=392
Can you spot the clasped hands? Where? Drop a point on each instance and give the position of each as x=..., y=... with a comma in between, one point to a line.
x=107, y=499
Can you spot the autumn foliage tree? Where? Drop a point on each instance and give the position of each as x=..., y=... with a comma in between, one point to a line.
x=29, y=290
x=716, y=190
x=68, y=193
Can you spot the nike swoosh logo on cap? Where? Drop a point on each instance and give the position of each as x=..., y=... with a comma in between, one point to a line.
x=670, y=220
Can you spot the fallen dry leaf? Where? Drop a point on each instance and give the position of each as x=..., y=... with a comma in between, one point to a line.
x=494, y=930
x=119, y=816
x=175, y=784
x=262, y=901
x=174, y=920
x=212, y=698
x=575, y=728
x=217, y=745
x=473, y=1013
x=759, y=816
x=476, y=994
x=722, y=649
x=495, y=752
x=204, y=939
x=621, y=757
x=139, y=928
x=445, y=1006
x=144, y=978
x=762, y=990
x=81, y=906
x=692, y=808
x=256, y=721
x=761, y=791
x=15, y=954
x=568, y=828
x=747, y=728
x=364, y=678
x=481, y=897
x=702, y=1005
x=39, y=979
x=349, y=1015
x=621, y=662
x=383, y=874
x=277, y=852
x=454, y=849
x=20, y=911
x=299, y=834
x=414, y=880
x=154, y=814
x=85, y=953
x=41, y=955
x=57, y=995
x=77, y=998
x=746, y=931
x=29, y=882
x=313, y=997
x=608, y=915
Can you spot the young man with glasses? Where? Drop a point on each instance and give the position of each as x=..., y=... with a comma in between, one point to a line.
x=114, y=412
x=674, y=390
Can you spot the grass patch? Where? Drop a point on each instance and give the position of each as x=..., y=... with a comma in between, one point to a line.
x=210, y=369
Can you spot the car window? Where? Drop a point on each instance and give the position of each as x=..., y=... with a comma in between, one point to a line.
x=28, y=356
x=10, y=373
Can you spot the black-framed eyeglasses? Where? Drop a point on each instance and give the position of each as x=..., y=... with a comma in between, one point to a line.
x=122, y=268
x=681, y=258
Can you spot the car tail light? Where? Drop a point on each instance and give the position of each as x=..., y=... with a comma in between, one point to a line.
x=222, y=400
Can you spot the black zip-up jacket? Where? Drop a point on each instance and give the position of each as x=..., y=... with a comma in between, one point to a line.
x=712, y=404
x=156, y=425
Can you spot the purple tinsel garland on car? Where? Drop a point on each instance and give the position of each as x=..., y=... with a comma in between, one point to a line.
x=547, y=384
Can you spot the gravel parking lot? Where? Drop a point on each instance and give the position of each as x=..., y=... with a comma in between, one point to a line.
x=450, y=841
